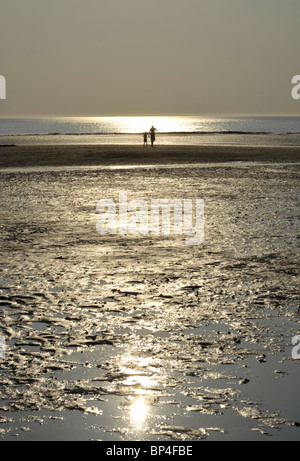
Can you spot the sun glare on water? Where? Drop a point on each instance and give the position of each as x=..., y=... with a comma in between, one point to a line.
x=142, y=124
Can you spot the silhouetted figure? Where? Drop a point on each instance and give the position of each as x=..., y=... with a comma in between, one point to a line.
x=145, y=139
x=152, y=134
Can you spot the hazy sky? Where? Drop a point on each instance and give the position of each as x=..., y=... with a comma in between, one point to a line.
x=135, y=57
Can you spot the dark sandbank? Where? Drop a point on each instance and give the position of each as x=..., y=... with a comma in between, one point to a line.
x=70, y=155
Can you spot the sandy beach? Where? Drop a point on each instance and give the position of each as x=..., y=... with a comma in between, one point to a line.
x=70, y=155
x=141, y=337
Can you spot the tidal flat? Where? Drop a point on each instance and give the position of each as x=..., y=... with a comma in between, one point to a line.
x=142, y=337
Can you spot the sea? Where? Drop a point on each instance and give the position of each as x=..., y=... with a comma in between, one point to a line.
x=185, y=130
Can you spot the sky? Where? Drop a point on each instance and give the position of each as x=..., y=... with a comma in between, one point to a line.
x=149, y=57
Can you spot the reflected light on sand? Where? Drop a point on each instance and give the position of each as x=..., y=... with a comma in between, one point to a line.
x=138, y=412
x=143, y=381
x=139, y=377
x=139, y=373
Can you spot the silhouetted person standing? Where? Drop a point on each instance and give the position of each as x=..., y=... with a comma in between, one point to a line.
x=152, y=134
x=145, y=139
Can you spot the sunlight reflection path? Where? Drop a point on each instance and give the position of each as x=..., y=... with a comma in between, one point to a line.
x=144, y=378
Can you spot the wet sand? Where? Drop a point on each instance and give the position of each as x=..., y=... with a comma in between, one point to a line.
x=70, y=155
x=143, y=337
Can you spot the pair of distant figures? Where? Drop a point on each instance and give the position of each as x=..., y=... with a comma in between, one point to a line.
x=152, y=136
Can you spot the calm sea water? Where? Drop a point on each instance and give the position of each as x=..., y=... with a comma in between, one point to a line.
x=133, y=125
x=171, y=130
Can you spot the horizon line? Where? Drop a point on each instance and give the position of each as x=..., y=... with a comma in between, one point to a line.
x=225, y=114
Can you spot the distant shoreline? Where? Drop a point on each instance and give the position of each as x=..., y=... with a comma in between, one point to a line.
x=164, y=133
x=106, y=155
